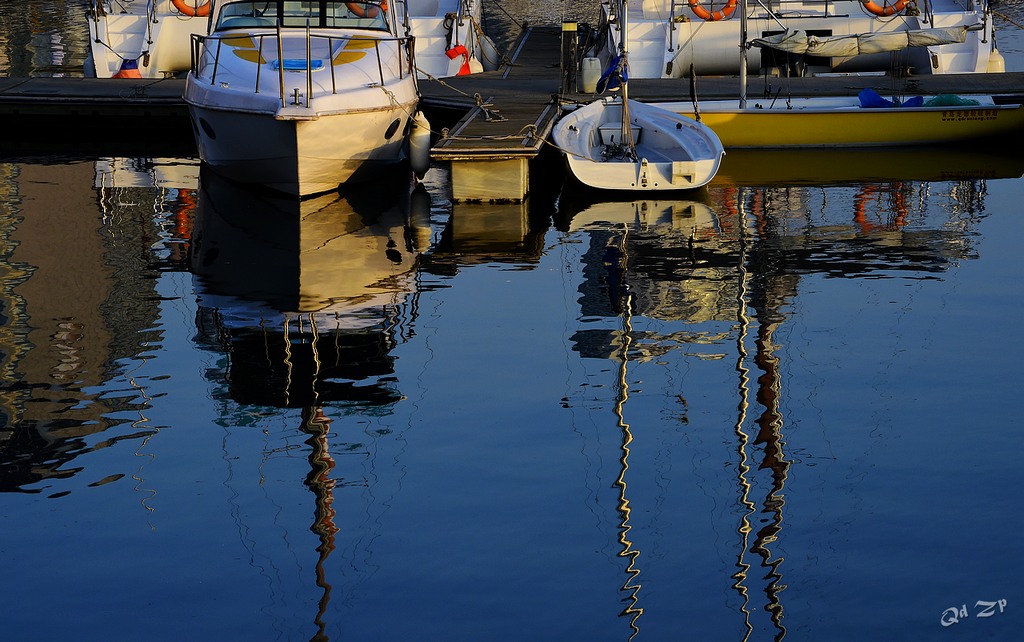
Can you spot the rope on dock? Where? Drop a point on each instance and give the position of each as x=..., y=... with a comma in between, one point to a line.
x=441, y=82
x=490, y=115
x=527, y=131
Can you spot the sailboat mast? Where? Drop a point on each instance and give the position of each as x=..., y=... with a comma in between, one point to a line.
x=624, y=47
x=743, y=54
x=626, y=131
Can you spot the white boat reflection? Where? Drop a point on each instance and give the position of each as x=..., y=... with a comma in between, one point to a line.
x=338, y=257
x=685, y=215
x=307, y=297
x=161, y=173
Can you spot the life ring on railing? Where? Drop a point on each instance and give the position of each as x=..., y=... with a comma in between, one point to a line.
x=721, y=14
x=885, y=10
x=366, y=9
x=192, y=10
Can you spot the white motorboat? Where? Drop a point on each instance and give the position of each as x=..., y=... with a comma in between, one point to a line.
x=669, y=38
x=151, y=38
x=302, y=97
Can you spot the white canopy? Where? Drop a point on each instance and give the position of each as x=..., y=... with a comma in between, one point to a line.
x=796, y=41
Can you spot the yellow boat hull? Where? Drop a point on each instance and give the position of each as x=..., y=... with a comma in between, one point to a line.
x=857, y=127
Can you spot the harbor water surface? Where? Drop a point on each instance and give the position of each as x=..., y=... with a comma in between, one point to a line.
x=785, y=406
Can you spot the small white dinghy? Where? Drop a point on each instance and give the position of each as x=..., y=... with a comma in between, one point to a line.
x=659, y=150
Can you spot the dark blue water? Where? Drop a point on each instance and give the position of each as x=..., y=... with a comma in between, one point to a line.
x=786, y=407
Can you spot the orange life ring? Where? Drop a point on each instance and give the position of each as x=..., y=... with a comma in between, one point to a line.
x=886, y=10
x=191, y=9
x=721, y=14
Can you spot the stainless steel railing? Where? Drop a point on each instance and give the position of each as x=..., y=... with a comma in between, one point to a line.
x=206, y=56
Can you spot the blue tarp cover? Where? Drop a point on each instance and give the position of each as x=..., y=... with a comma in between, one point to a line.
x=871, y=99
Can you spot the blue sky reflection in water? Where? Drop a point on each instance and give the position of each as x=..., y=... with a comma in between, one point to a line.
x=779, y=408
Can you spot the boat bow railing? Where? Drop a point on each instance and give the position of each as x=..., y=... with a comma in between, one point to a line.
x=207, y=51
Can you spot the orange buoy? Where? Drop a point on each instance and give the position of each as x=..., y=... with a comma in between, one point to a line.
x=886, y=10
x=710, y=16
x=192, y=10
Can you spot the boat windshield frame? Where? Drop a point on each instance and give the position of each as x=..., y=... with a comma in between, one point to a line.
x=316, y=14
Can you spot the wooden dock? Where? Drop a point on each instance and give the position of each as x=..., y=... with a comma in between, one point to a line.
x=503, y=117
x=510, y=115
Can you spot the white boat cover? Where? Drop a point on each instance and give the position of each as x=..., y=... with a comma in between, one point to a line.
x=797, y=41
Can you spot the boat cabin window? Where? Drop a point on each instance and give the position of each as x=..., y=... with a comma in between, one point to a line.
x=352, y=14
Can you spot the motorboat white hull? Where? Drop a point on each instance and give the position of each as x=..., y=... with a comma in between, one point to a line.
x=301, y=157
x=672, y=152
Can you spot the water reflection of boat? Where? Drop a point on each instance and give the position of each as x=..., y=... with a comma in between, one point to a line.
x=80, y=305
x=306, y=297
x=831, y=167
x=682, y=215
x=161, y=173
x=658, y=241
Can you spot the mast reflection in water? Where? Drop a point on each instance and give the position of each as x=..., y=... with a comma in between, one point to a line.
x=699, y=275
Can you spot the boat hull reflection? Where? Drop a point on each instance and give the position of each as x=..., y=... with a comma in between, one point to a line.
x=307, y=298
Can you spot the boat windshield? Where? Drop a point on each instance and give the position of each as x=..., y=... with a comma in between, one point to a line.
x=352, y=14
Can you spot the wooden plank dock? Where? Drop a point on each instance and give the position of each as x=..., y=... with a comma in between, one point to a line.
x=511, y=112
x=503, y=117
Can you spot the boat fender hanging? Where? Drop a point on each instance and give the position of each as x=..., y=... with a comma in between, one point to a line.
x=723, y=13
x=419, y=145
x=191, y=9
x=886, y=9
x=129, y=69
